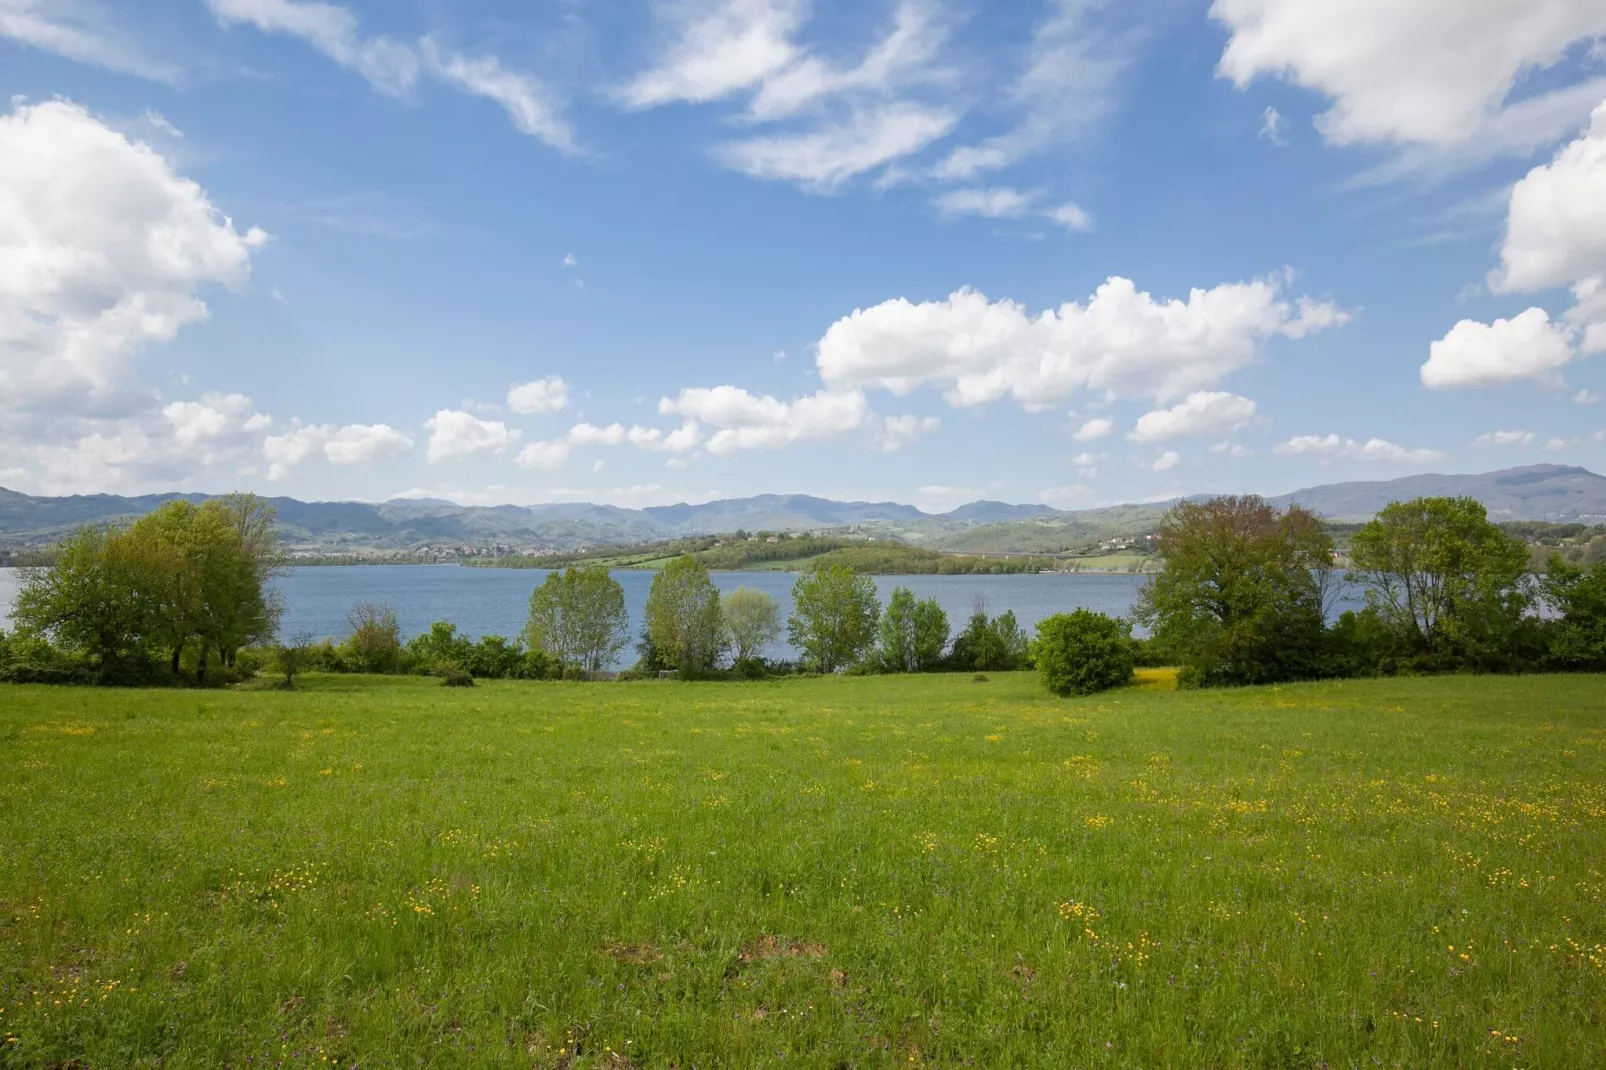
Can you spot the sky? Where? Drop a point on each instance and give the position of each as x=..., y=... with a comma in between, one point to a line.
x=1074, y=252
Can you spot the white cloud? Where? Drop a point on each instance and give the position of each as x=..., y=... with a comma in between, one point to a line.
x=1094, y=429
x=103, y=250
x=1232, y=449
x=216, y=426
x=1555, y=445
x=528, y=103
x=1375, y=449
x=1556, y=231
x=1003, y=202
x=1166, y=461
x=939, y=498
x=1505, y=438
x=842, y=120
x=1122, y=341
x=348, y=446
x=1588, y=397
x=1426, y=71
x=719, y=48
x=538, y=396
x=544, y=456
x=389, y=66
x=392, y=66
x=1273, y=127
x=1065, y=87
x=1066, y=497
x=78, y=30
x=896, y=432
x=1086, y=464
x=454, y=433
x=824, y=157
x=591, y=435
x=1525, y=347
x=1202, y=413
x=747, y=421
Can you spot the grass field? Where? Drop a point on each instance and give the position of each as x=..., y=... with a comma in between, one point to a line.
x=842, y=872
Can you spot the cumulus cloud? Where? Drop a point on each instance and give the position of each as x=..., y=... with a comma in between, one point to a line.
x=1122, y=341
x=940, y=498
x=1337, y=448
x=1556, y=231
x=454, y=433
x=1094, y=429
x=896, y=432
x=1232, y=449
x=348, y=446
x=216, y=425
x=1425, y=71
x=745, y=421
x=544, y=456
x=1505, y=438
x=538, y=397
x=1065, y=497
x=1202, y=413
x=1527, y=346
x=103, y=251
x=1166, y=461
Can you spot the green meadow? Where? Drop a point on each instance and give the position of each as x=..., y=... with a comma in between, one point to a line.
x=886, y=871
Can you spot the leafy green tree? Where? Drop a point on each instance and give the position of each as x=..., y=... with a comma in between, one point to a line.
x=1451, y=588
x=1578, y=598
x=895, y=636
x=834, y=616
x=374, y=645
x=441, y=644
x=990, y=644
x=578, y=616
x=1240, y=598
x=752, y=622
x=1083, y=652
x=930, y=635
x=96, y=598
x=683, y=616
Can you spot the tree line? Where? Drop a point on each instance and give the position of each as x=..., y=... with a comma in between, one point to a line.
x=1245, y=595
x=1246, y=592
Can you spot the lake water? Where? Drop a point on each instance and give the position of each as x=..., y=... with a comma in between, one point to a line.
x=489, y=601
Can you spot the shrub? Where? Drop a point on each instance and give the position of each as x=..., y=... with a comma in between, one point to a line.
x=452, y=674
x=1083, y=652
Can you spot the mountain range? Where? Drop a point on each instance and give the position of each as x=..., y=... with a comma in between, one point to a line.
x=1537, y=492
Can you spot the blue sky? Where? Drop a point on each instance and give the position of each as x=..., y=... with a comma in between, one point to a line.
x=922, y=250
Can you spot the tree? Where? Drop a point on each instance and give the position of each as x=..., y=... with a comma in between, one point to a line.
x=1241, y=593
x=95, y=598
x=684, y=620
x=1578, y=639
x=1451, y=587
x=1083, y=652
x=752, y=622
x=834, y=617
x=578, y=616
x=895, y=638
x=374, y=645
x=990, y=644
x=292, y=657
x=931, y=634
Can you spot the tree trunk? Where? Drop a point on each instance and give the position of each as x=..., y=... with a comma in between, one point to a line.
x=200, y=666
x=178, y=652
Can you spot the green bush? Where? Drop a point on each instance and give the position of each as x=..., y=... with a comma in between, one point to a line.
x=1083, y=652
x=452, y=674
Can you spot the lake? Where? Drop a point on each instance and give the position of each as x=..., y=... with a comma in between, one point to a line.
x=488, y=601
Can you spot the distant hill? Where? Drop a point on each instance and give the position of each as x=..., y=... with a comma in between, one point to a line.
x=1539, y=492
